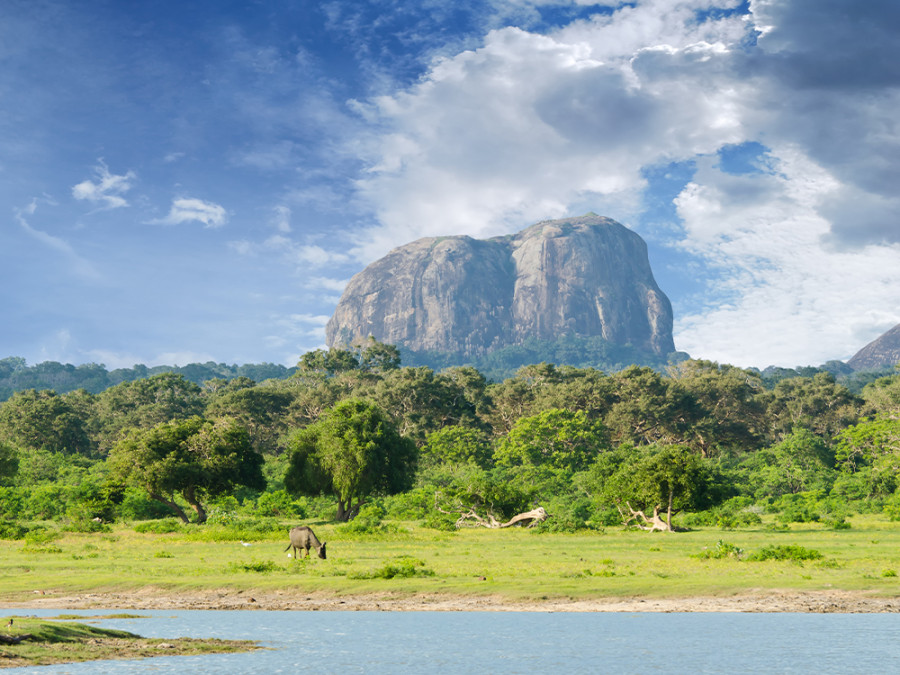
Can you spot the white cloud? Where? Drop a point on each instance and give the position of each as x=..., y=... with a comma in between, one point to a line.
x=107, y=189
x=335, y=285
x=530, y=126
x=187, y=210
x=303, y=256
x=282, y=219
x=81, y=267
x=782, y=296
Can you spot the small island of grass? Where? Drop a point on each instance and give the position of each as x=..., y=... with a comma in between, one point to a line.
x=28, y=641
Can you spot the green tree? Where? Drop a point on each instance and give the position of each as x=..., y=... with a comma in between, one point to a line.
x=560, y=440
x=262, y=410
x=457, y=445
x=193, y=458
x=650, y=408
x=802, y=461
x=731, y=415
x=353, y=452
x=883, y=395
x=818, y=403
x=870, y=451
x=144, y=404
x=666, y=478
x=9, y=463
x=420, y=401
x=35, y=419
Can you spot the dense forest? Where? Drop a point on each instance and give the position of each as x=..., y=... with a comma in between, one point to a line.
x=353, y=435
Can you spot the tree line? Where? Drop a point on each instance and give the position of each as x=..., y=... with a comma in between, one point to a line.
x=354, y=429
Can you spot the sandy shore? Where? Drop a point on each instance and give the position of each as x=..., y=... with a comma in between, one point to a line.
x=764, y=601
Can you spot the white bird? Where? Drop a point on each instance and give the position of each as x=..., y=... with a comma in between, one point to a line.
x=244, y=543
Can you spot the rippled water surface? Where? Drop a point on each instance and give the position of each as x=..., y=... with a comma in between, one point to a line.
x=512, y=642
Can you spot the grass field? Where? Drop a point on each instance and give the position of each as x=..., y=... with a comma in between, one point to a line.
x=515, y=564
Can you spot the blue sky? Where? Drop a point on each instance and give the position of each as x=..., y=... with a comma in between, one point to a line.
x=192, y=181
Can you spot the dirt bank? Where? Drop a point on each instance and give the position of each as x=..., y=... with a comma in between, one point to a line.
x=155, y=598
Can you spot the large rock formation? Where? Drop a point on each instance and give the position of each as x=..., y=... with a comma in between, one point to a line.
x=586, y=276
x=883, y=352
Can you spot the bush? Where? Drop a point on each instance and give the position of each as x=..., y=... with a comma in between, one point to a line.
x=722, y=549
x=136, y=505
x=790, y=552
x=436, y=520
x=567, y=514
x=280, y=504
x=263, y=567
x=256, y=529
x=368, y=521
x=12, y=530
x=164, y=526
x=802, y=507
x=416, y=504
x=404, y=566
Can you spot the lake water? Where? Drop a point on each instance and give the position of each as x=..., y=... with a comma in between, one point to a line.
x=453, y=643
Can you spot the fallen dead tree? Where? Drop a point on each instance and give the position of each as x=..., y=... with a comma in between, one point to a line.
x=654, y=524
x=469, y=517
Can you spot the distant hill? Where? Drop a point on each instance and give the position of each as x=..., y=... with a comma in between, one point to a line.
x=16, y=375
x=459, y=300
x=883, y=352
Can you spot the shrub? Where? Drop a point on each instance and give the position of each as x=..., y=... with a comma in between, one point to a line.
x=136, y=505
x=404, y=566
x=790, y=552
x=255, y=529
x=436, y=520
x=12, y=530
x=280, y=504
x=722, y=549
x=164, y=526
x=263, y=567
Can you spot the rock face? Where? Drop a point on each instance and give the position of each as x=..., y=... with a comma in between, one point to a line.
x=586, y=276
x=883, y=352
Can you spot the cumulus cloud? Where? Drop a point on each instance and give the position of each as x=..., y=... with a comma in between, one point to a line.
x=106, y=190
x=529, y=126
x=188, y=210
x=780, y=296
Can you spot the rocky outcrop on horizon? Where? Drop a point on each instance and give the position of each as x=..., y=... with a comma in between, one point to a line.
x=882, y=352
x=587, y=276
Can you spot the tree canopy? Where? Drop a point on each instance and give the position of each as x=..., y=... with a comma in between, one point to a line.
x=194, y=458
x=352, y=452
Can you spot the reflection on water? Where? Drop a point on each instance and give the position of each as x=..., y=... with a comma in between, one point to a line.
x=510, y=642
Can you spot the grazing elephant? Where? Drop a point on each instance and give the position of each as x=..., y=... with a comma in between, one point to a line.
x=305, y=538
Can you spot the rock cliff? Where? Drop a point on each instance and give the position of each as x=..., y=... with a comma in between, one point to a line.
x=883, y=352
x=586, y=276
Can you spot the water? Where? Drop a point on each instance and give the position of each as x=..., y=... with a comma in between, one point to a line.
x=454, y=643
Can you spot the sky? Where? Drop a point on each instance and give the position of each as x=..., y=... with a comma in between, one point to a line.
x=197, y=180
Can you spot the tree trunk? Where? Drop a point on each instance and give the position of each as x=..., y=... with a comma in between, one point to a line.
x=347, y=510
x=669, y=514
x=172, y=505
x=191, y=498
x=343, y=511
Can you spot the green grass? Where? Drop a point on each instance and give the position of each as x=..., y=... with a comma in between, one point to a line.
x=513, y=564
x=47, y=641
